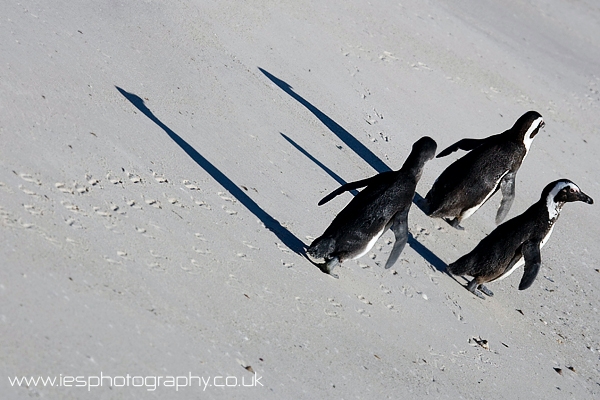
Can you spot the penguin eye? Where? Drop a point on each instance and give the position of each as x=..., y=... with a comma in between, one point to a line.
x=571, y=190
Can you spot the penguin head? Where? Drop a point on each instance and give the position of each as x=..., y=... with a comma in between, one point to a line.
x=422, y=151
x=565, y=191
x=560, y=192
x=527, y=126
x=425, y=148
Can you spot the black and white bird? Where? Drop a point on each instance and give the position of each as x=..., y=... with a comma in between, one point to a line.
x=491, y=165
x=384, y=203
x=518, y=241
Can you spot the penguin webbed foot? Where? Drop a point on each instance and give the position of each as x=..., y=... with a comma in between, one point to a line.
x=486, y=291
x=455, y=223
x=479, y=289
x=328, y=266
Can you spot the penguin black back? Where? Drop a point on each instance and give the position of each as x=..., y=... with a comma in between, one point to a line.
x=384, y=203
x=490, y=165
x=518, y=241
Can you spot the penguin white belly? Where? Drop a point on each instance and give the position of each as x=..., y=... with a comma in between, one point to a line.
x=521, y=261
x=369, y=245
x=472, y=210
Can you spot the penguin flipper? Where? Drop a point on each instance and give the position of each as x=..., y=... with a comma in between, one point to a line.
x=345, y=188
x=400, y=229
x=463, y=144
x=533, y=261
x=507, y=187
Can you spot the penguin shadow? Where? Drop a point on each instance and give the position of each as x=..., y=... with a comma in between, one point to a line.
x=354, y=144
x=323, y=167
x=362, y=151
x=333, y=126
x=286, y=237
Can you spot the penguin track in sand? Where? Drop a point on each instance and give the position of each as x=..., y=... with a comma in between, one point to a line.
x=29, y=178
x=31, y=209
x=190, y=185
x=193, y=268
x=329, y=311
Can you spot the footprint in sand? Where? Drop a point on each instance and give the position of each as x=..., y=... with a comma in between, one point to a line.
x=190, y=185
x=364, y=300
x=282, y=248
x=62, y=188
x=173, y=200
x=407, y=291
x=156, y=266
x=81, y=189
x=28, y=192
x=193, y=268
x=112, y=261
x=203, y=204
x=334, y=303
x=250, y=246
x=433, y=278
x=156, y=255
x=454, y=307
x=31, y=209
x=25, y=225
x=225, y=197
x=410, y=273
x=134, y=178
x=229, y=211
x=301, y=305
x=143, y=232
x=331, y=312
x=52, y=240
x=421, y=233
x=154, y=203
x=72, y=207
x=363, y=312
x=133, y=204
x=113, y=179
x=243, y=256
x=363, y=265
x=29, y=178
x=5, y=187
x=101, y=213
x=200, y=237
x=115, y=208
x=73, y=223
x=90, y=180
x=201, y=251
x=159, y=178
x=385, y=289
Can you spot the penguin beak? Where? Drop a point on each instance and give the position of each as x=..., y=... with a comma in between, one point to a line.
x=585, y=198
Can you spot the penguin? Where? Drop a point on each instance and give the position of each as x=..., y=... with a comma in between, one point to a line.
x=490, y=165
x=384, y=203
x=518, y=241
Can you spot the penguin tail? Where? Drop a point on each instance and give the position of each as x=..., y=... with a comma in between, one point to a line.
x=430, y=204
x=321, y=247
x=460, y=267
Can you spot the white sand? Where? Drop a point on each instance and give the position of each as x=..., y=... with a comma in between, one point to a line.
x=160, y=241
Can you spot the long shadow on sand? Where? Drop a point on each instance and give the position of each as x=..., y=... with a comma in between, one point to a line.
x=362, y=151
x=270, y=223
x=333, y=126
x=320, y=164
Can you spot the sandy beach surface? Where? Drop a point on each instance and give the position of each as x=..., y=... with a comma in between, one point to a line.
x=161, y=164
